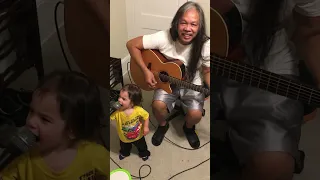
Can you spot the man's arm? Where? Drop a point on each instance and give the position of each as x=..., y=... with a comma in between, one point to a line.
x=307, y=41
x=134, y=47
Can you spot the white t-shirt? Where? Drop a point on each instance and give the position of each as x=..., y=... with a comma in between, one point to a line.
x=162, y=41
x=282, y=58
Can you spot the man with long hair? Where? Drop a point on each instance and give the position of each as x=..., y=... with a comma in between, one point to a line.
x=185, y=40
x=265, y=128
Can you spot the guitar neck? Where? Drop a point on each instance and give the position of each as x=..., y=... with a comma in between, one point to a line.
x=185, y=84
x=265, y=80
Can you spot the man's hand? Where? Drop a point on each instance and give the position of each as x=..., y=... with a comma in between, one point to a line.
x=150, y=80
x=135, y=47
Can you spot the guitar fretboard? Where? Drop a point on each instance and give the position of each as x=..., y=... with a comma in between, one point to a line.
x=184, y=84
x=262, y=79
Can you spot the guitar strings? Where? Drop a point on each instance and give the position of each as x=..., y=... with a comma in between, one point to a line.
x=255, y=70
x=252, y=71
x=276, y=84
x=239, y=68
x=269, y=83
x=301, y=96
x=302, y=99
x=188, y=84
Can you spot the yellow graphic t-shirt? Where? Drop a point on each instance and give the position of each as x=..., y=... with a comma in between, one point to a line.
x=91, y=160
x=130, y=128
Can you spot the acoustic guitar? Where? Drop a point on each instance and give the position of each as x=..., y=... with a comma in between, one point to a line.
x=226, y=56
x=166, y=72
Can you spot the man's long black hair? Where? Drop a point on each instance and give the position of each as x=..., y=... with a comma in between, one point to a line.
x=197, y=42
x=263, y=23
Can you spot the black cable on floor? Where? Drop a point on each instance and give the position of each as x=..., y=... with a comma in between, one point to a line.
x=144, y=165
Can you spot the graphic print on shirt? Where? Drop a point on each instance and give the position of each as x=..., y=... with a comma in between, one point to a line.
x=88, y=175
x=131, y=129
x=92, y=174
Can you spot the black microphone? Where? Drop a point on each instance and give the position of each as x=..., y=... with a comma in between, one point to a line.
x=19, y=142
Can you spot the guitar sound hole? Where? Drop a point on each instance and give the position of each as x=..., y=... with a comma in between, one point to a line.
x=163, y=76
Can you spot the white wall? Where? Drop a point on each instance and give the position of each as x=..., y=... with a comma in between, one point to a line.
x=118, y=29
x=46, y=18
x=118, y=33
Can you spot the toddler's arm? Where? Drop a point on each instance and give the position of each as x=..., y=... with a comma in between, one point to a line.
x=146, y=126
x=144, y=119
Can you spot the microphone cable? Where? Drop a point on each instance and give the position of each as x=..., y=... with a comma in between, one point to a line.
x=58, y=33
x=144, y=165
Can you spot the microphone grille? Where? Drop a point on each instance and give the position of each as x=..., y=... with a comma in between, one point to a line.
x=116, y=105
x=24, y=139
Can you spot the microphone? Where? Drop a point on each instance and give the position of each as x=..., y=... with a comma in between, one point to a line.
x=19, y=142
x=115, y=105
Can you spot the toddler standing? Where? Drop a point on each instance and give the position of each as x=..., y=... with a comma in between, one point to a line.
x=132, y=122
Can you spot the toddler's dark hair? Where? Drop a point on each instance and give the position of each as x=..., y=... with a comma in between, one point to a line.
x=134, y=92
x=79, y=100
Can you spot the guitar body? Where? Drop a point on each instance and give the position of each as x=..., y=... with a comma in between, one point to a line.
x=226, y=33
x=157, y=63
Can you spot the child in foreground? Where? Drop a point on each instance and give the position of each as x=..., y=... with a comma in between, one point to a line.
x=132, y=122
x=65, y=115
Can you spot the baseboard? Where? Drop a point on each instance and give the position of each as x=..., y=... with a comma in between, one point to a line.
x=125, y=66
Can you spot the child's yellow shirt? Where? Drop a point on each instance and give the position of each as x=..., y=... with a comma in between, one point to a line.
x=130, y=128
x=91, y=158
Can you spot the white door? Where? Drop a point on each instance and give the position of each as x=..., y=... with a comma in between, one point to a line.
x=150, y=16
